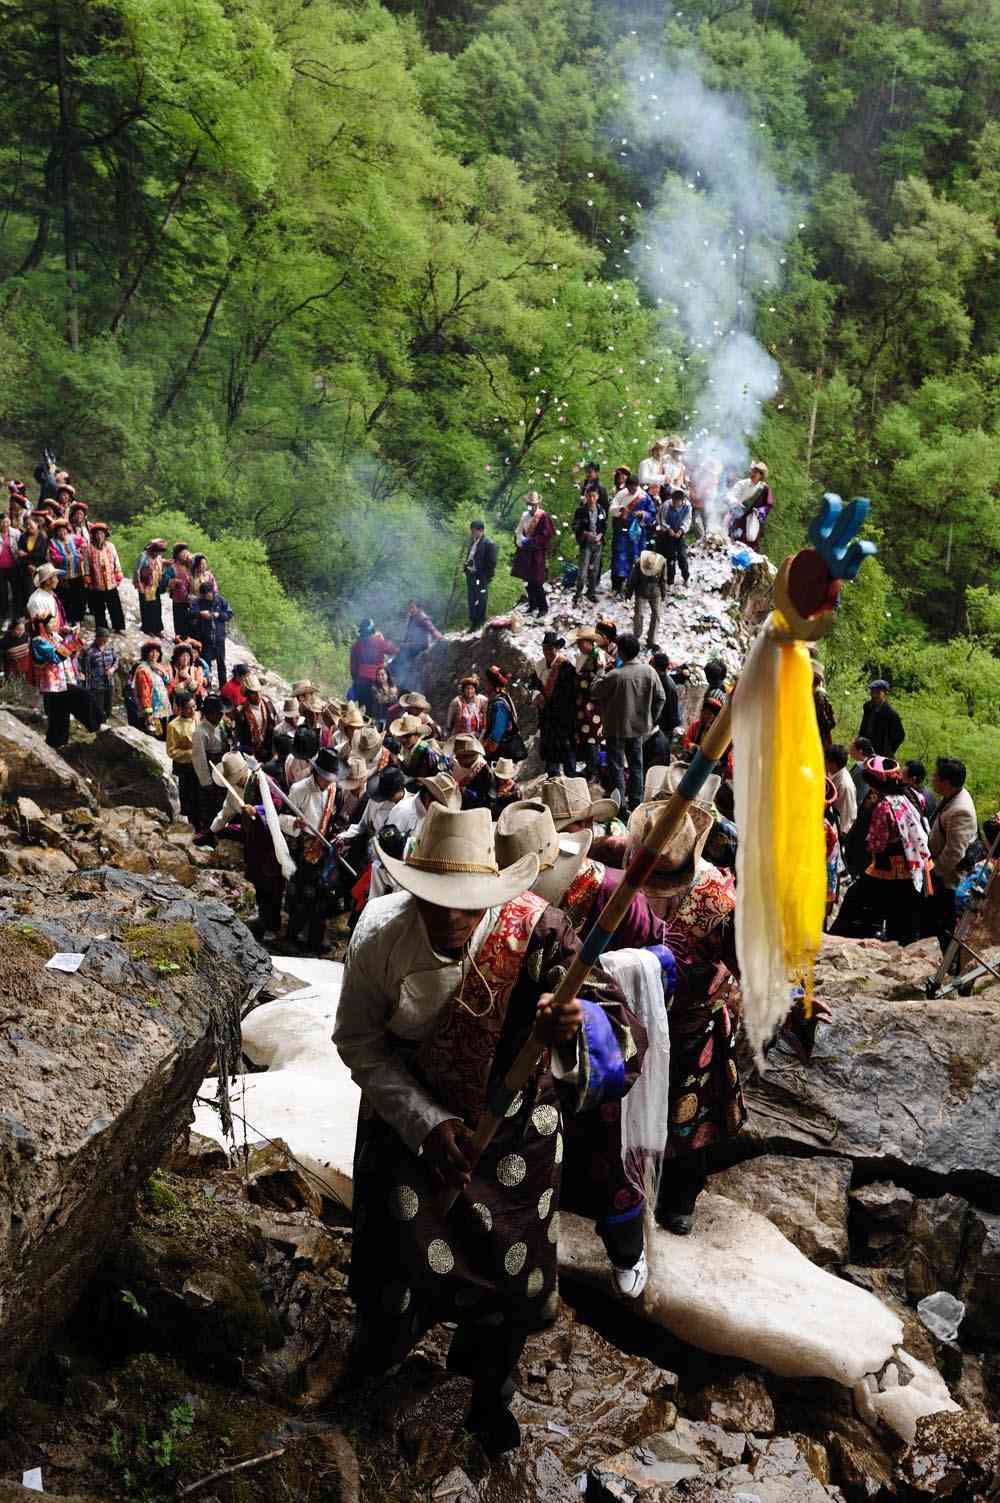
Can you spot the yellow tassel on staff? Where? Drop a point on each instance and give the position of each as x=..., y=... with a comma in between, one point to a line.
x=798, y=780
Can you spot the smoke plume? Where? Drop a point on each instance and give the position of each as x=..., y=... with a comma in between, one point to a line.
x=711, y=244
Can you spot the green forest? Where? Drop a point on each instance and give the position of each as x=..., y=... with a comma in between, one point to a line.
x=316, y=282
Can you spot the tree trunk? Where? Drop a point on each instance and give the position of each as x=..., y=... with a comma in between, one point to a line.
x=182, y=379
x=154, y=244
x=66, y=183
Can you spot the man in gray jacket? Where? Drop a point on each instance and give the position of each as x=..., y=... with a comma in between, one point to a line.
x=952, y=832
x=630, y=699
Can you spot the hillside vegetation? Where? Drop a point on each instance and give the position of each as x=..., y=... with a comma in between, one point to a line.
x=325, y=279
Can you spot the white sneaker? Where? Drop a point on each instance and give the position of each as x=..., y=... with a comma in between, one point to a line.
x=628, y=1283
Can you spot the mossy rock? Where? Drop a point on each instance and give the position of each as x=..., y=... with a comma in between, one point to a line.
x=171, y=949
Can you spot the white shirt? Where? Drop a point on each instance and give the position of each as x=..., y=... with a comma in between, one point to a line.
x=619, y=501
x=42, y=602
x=652, y=469
x=847, y=800
x=742, y=491
x=309, y=799
x=404, y=816
x=395, y=985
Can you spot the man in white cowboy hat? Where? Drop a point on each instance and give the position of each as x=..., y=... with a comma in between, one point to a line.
x=256, y=719
x=505, y=786
x=315, y=800
x=417, y=757
x=444, y=982
x=290, y=720
x=572, y=881
x=648, y=584
x=264, y=852
x=417, y=704
x=470, y=770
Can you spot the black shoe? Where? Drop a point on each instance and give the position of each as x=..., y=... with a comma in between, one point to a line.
x=495, y=1428
x=680, y=1223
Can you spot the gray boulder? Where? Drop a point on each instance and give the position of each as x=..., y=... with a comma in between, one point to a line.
x=806, y=1199
x=895, y=1080
x=98, y=1071
x=35, y=770
x=128, y=767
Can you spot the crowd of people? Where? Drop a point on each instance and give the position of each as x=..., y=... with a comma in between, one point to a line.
x=468, y=893
x=646, y=523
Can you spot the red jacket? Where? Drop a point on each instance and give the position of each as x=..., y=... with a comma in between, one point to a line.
x=368, y=655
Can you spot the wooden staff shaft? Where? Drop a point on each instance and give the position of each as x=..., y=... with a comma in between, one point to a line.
x=666, y=823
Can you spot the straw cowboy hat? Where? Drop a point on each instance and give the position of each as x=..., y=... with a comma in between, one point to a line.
x=584, y=634
x=406, y=725
x=459, y=744
x=759, y=466
x=353, y=774
x=661, y=782
x=679, y=859
x=290, y=709
x=526, y=828
x=651, y=565
x=443, y=790
x=503, y=767
x=452, y=862
x=303, y=686
x=44, y=573
x=251, y=684
x=367, y=743
x=352, y=718
x=310, y=700
x=415, y=702
x=569, y=801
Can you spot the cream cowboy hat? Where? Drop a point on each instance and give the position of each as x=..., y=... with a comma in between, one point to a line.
x=415, y=702
x=651, y=564
x=251, y=682
x=310, y=700
x=680, y=857
x=303, y=686
x=568, y=800
x=584, y=634
x=443, y=790
x=290, y=709
x=235, y=769
x=44, y=573
x=463, y=744
x=354, y=774
x=452, y=862
x=352, y=718
x=661, y=782
x=526, y=828
x=406, y=725
x=503, y=767
x=367, y=743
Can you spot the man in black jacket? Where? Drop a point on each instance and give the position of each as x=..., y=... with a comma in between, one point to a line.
x=658, y=747
x=880, y=722
x=480, y=567
x=209, y=615
x=590, y=523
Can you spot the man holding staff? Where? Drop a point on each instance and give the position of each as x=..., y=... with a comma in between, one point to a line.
x=445, y=981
